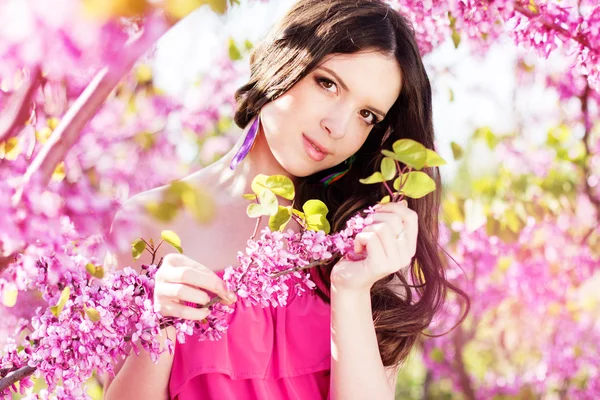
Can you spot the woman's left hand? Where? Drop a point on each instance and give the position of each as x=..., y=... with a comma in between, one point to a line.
x=388, y=249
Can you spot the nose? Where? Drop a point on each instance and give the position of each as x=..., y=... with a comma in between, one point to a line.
x=336, y=123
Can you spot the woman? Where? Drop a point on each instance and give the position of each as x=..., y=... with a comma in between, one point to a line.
x=332, y=84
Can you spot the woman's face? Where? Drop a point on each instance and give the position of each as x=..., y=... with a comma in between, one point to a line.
x=334, y=107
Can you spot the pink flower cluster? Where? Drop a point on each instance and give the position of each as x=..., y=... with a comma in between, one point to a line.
x=102, y=319
x=99, y=320
x=272, y=266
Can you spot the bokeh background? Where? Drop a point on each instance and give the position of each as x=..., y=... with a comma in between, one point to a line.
x=518, y=128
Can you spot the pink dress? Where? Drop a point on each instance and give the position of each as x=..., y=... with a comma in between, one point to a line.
x=275, y=353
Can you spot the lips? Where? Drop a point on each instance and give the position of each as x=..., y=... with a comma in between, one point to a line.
x=317, y=146
x=313, y=150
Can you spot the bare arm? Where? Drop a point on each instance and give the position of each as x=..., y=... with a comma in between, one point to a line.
x=137, y=377
x=178, y=281
x=357, y=371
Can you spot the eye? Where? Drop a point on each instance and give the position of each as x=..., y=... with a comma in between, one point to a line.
x=366, y=114
x=327, y=84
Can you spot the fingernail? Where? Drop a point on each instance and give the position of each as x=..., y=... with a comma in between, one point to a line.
x=231, y=296
x=377, y=206
x=404, y=203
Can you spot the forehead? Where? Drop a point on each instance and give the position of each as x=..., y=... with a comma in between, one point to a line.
x=370, y=75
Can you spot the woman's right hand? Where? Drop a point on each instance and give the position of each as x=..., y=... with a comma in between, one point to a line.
x=181, y=279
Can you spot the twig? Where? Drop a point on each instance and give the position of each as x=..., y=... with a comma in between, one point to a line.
x=589, y=190
x=13, y=377
x=582, y=40
x=16, y=111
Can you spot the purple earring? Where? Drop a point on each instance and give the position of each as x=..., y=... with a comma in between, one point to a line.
x=247, y=145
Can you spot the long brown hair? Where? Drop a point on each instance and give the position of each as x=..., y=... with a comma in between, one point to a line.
x=311, y=30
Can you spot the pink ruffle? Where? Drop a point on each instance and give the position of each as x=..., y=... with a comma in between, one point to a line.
x=267, y=353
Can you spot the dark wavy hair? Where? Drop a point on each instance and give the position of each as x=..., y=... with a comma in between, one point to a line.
x=311, y=30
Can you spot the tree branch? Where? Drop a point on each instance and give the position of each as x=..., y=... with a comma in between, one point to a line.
x=13, y=377
x=465, y=379
x=582, y=40
x=83, y=110
x=16, y=111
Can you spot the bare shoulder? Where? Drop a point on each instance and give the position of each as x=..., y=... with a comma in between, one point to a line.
x=134, y=221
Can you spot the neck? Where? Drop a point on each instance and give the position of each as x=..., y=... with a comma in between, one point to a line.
x=260, y=160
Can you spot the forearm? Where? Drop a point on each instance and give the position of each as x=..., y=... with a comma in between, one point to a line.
x=357, y=371
x=139, y=377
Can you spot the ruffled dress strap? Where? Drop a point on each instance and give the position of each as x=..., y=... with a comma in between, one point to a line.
x=266, y=353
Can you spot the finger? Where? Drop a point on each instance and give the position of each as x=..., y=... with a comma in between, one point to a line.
x=387, y=237
x=371, y=242
x=394, y=220
x=182, y=292
x=187, y=271
x=409, y=218
x=400, y=208
x=172, y=309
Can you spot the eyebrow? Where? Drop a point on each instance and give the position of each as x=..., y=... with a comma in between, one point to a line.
x=375, y=110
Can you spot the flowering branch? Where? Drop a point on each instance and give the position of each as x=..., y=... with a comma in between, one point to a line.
x=532, y=15
x=85, y=107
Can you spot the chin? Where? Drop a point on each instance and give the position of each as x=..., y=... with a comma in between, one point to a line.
x=295, y=168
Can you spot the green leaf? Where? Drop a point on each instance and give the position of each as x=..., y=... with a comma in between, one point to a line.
x=399, y=180
x=411, y=153
x=377, y=177
x=418, y=184
x=281, y=185
x=259, y=183
x=96, y=270
x=318, y=222
x=218, y=6
x=9, y=297
x=512, y=221
x=137, y=248
x=388, y=168
x=234, y=52
x=248, y=45
x=390, y=154
x=315, y=207
x=92, y=314
x=64, y=297
x=558, y=136
x=455, y=38
x=173, y=239
x=163, y=211
x=488, y=136
x=269, y=202
x=455, y=34
x=250, y=197
x=434, y=159
x=457, y=150
x=452, y=210
x=386, y=199
x=278, y=221
x=196, y=200
x=255, y=210
x=437, y=355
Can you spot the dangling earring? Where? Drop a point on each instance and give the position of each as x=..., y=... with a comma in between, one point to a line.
x=247, y=145
x=329, y=179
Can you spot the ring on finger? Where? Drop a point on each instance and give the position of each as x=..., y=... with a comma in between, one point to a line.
x=400, y=235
